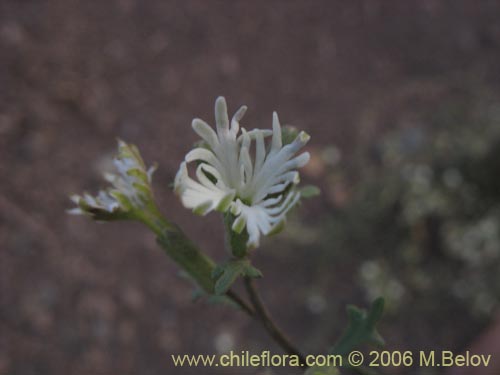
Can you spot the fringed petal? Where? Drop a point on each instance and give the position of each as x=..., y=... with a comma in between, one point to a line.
x=258, y=190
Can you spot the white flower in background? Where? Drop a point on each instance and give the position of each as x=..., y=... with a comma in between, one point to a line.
x=131, y=188
x=259, y=191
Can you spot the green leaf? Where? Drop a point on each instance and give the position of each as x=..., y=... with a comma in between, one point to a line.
x=191, y=260
x=218, y=271
x=309, y=191
x=222, y=300
x=252, y=272
x=227, y=273
x=361, y=328
x=212, y=299
x=197, y=294
x=237, y=242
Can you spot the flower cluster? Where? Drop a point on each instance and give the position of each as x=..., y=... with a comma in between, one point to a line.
x=131, y=191
x=259, y=191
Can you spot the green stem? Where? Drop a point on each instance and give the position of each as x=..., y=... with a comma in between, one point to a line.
x=186, y=254
x=265, y=318
x=199, y=266
x=241, y=303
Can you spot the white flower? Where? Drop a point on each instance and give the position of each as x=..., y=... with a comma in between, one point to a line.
x=131, y=188
x=259, y=191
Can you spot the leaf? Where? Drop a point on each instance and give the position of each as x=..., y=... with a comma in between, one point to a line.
x=237, y=242
x=197, y=294
x=361, y=328
x=252, y=272
x=217, y=271
x=222, y=300
x=213, y=299
x=310, y=191
x=191, y=260
x=227, y=273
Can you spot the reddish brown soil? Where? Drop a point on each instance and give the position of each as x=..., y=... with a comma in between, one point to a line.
x=81, y=298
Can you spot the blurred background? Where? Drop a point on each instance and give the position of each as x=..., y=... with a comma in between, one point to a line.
x=403, y=105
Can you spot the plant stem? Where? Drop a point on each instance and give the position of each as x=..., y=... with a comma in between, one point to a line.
x=186, y=254
x=241, y=303
x=263, y=315
x=200, y=267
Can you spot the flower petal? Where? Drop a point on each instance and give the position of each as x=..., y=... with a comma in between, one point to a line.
x=202, y=154
x=277, y=143
x=235, y=121
x=205, y=132
x=204, y=196
x=221, y=117
x=258, y=190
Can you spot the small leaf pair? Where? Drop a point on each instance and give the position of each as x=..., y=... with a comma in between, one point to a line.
x=361, y=328
x=226, y=274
